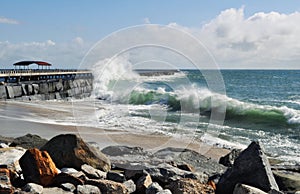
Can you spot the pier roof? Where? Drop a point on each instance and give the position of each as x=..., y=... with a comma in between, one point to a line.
x=26, y=63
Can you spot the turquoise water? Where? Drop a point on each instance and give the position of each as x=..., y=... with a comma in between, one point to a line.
x=259, y=105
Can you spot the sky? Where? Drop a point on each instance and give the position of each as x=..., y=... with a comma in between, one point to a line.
x=256, y=34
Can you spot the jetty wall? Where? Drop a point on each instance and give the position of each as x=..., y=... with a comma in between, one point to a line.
x=48, y=89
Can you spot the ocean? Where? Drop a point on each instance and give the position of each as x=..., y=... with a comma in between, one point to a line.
x=261, y=105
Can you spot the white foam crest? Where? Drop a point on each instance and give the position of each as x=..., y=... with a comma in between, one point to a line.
x=108, y=70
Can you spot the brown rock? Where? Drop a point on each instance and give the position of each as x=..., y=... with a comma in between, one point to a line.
x=189, y=186
x=70, y=150
x=108, y=187
x=5, y=184
x=38, y=167
x=186, y=167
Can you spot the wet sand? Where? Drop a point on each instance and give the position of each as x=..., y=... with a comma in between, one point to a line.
x=17, y=126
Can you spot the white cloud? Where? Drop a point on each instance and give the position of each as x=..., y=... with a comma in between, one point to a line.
x=269, y=39
x=66, y=55
x=4, y=20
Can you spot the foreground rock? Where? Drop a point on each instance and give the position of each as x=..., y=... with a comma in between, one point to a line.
x=5, y=184
x=70, y=150
x=38, y=167
x=29, y=141
x=251, y=168
x=287, y=180
x=187, y=186
x=246, y=189
x=10, y=156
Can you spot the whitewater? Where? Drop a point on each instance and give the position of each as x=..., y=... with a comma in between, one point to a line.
x=258, y=105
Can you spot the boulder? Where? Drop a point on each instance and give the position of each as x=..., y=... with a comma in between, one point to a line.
x=29, y=141
x=43, y=88
x=228, y=159
x=93, y=173
x=3, y=92
x=187, y=186
x=252, y=168
x=38, y=167
x=10, y=156
x=201, y=163
x=130, y=185
x=115, y=176
x=17, y=91
x=108, y=187
x=3, y=145
x=165, y=173
x=123, y=150
x=154, y=188
x=143, y=183
x=56, y=190
x=246, y=189
x=29, y=89
x=59, y=86
x=33, y=188
x=5, y=184
x=83, y=189
x=68, y=187
x=36, y=88
x=10, y=92
x=24, y=92
x=165, y=191
x=288, y=181
x=70, y=150
x=62, y=178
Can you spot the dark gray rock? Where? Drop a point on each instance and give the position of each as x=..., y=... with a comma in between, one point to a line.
x=29, y=89
x=201, y=163
x=33, y=188
x=68, y=187
x=165, y=191
x=62, y=178
x=59, y=86
x=36, y=88
x=24, y=91
x=154, y=188
x=70, y=150
x=123, y=150
x=228, y=159
x=17, y=91
x=10, y=92
x=250, y=168
x=288, y=181
x=246, y=189
x=143, y=183
x=43, y=88
x=84, y=189
x=6, y=140
x=108, y=186
x=29, y=141
x=115, y=176
x=164, y=173
x=130, y=185
x=3, y=94
x=93, y=173
x=55, y=190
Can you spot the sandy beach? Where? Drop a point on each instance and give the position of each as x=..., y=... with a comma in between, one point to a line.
x=19, y=126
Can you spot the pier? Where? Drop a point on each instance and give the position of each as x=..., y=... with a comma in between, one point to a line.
x=45, y=83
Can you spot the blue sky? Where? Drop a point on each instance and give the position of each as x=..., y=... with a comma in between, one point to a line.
x=70, y=28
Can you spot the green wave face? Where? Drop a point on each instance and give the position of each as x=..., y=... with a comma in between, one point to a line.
x=237, y=113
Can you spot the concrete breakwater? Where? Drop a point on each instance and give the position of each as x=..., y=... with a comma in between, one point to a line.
x=48, y=88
